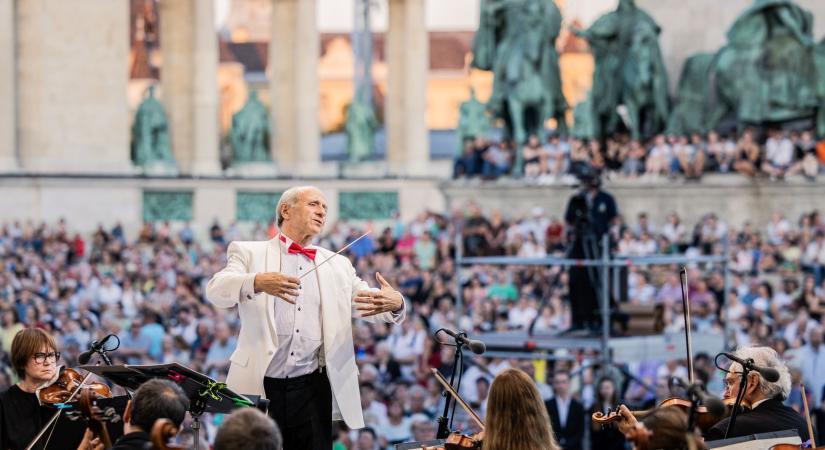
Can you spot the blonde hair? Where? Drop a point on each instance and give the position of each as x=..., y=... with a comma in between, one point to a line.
x=516, y=415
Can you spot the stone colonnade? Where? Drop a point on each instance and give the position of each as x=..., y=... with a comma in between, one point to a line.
x=64, y=77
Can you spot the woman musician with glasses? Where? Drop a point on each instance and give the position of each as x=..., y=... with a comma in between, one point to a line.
x=34, y=358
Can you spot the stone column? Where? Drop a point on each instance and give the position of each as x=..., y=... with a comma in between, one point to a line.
x=407, y=47
x=189, y=86
x=72, y=75
x=8, y=95
x=293, y=65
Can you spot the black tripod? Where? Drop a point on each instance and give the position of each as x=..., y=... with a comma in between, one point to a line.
x=585, y=281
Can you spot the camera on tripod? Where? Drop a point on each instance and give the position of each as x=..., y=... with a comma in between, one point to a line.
x=579, y=209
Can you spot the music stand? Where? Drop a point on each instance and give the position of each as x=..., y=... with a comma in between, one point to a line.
x=204, y=393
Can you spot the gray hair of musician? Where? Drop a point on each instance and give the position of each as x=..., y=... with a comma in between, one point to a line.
x=767, y=357
x=289, y=197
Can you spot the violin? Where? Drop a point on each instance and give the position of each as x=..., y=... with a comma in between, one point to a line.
x=704, y=419
x=162, y=431
x=61, y=390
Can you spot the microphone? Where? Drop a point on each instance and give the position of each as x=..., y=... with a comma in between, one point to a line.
x=461, y=339
x=714, y=406
x=770, y=374
x=96, y=347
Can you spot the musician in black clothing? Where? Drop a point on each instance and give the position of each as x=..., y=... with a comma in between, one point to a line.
x=154, y=399
x=589, y=215
x=566, y=414
x=34, y=358
x=607, y=399
x=768, y=413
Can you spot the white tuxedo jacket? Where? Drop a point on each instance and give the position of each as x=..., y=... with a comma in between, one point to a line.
x=258, y=339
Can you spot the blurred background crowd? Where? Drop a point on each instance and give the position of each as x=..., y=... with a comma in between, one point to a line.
x=773, y=154
x=149, y=290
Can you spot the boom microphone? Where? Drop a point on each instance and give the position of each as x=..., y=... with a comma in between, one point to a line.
x=461, y=339
x=96, y=347
x=770, y=374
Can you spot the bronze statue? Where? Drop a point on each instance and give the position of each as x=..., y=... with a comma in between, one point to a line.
x=249, y=135
x=690, y=112
x=773, y=39
x=150, y=134
x=516, y=40
x=472, y=121
x=629, y=72
x=360, y=128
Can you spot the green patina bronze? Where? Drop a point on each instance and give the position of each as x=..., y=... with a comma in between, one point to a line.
x=367, y=205
x=770, y=71
x=249, y=135
x=150, y=134
x=516, y=40
x=472, y=121
x=256, y=206
x=360, y=128
x=690, y=112
x=630, y=81
x=160, y=206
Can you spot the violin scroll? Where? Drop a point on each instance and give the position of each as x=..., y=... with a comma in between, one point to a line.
x=162, y=431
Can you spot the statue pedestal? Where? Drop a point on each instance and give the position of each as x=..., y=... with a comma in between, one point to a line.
x=252, y=169
x=159, y=169
x=363, y=169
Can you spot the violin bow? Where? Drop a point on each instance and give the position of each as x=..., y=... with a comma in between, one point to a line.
x=807, y=415
x=56, y=415
x=686, y=311
x=446, y=385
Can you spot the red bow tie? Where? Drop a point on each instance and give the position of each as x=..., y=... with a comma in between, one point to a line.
x=295, y=249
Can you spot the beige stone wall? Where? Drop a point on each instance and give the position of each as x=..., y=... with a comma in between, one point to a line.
x=407, y=50
x=8, y=95
x=695, y=26
x=85, y=203
x=732, y=197
x=189, y=78
x=294, y=87
x=72, y=74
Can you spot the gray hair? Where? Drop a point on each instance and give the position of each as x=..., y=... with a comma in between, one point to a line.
x=767, y=357
x=289, y=197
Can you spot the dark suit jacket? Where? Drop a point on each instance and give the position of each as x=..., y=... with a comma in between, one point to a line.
x=769, y=416
x=137, y=440
x=571, y=436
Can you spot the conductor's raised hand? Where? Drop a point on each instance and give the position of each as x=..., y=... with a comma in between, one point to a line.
x=279, y=285
x=387, y=299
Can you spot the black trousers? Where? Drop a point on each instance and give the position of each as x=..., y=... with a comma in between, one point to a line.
x=302, y=408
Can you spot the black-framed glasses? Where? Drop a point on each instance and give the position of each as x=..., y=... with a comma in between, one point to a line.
x=41, y=358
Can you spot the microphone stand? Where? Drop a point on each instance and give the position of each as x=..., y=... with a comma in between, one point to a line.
x=739, y=395
x=443, y=421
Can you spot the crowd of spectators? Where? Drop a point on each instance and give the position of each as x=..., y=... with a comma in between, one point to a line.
x=148, y=289
x=775, y=155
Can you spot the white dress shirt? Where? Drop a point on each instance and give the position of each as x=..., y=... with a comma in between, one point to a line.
x=563, y=405
x=298, y=325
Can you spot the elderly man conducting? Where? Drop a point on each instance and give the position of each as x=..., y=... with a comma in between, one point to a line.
x=296, y=302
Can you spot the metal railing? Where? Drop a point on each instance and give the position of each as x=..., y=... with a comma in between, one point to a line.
x=604, y=264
